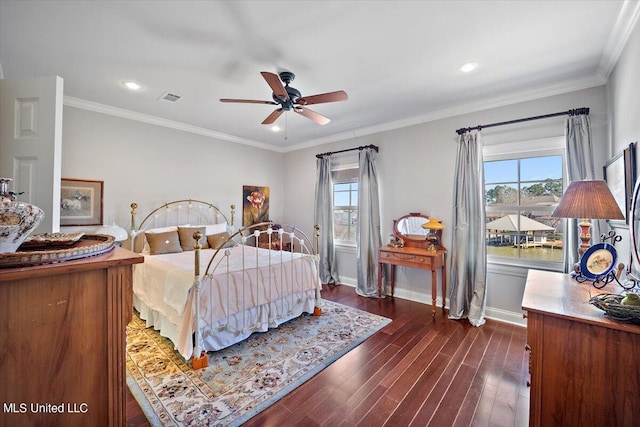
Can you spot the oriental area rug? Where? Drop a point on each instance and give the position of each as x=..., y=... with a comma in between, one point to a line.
x=243, y=379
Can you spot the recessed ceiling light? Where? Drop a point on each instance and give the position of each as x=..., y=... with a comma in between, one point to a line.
x=468, y=67
x=129, y=84
x=275, y=128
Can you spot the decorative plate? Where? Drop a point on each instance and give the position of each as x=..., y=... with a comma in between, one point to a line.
x=598, y=260
x=50, y=240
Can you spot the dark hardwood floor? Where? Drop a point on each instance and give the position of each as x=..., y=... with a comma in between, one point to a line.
x=417, y=371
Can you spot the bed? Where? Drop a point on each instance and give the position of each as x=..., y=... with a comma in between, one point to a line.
x=234, y=282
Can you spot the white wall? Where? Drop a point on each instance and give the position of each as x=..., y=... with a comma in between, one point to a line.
x=623, y=95
x=624, y=110
x=416, y=168
x=151, y=165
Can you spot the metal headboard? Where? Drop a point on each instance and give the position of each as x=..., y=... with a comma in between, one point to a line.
x=179, y=212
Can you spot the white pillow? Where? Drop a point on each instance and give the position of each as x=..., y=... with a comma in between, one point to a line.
x=215, y=228
x=161, y=229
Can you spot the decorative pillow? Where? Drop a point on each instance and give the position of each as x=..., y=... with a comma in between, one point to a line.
x=140, y=243
x=146, y=248
x=187, y=242
x=220, y=240
x=216, y=228
x=163, y=243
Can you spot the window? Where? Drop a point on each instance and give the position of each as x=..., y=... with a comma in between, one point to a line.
x=521, y=192
x=345, y=205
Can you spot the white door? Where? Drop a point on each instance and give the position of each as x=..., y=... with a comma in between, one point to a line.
x=31, y=143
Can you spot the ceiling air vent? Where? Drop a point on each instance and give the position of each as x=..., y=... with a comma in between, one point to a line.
x=170, y=97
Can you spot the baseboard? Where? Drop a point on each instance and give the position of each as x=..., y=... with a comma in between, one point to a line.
x=490, y=312
x=505, y=316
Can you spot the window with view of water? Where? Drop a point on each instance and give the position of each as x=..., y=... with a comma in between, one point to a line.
x=520, y=196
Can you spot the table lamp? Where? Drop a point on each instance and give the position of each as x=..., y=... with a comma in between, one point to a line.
x=589, y=199
x=433, y=225
x=118, y=233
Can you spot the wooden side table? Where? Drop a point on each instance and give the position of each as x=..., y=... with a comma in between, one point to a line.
x=416, y=258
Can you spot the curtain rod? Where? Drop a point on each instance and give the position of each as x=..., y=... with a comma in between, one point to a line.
x=574, y=112
x=321, y=155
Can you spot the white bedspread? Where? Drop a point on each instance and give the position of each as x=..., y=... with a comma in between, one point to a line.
x=247, y=279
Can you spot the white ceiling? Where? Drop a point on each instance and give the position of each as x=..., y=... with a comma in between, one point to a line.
x=397, y=60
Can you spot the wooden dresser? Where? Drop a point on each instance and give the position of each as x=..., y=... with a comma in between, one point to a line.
x=62, y=341
x=585, y=368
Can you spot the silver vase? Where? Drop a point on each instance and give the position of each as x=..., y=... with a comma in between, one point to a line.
x=17, y=219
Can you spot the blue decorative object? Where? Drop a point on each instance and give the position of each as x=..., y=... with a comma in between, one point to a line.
x=598, y=260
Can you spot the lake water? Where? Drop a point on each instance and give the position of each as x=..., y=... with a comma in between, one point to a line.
x=537, y=253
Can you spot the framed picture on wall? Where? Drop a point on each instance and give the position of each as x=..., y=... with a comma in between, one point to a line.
x=620, y=175
x=80, y=202
x=255, y=204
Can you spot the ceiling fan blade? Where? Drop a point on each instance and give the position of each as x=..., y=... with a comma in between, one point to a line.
x=273, y=80
x=273, y=116
x=339, y=95
x=309, y=114
x=247, y=101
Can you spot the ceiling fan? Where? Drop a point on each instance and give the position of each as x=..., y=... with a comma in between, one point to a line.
x=290, y=99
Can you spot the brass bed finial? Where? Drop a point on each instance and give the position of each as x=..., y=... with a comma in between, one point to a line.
x=134, y=206
x=197, y=236
x=233, y=211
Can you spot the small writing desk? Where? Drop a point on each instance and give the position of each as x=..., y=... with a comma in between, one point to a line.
x=416, y=258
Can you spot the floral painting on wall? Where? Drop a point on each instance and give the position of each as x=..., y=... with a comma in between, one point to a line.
x=255, y=204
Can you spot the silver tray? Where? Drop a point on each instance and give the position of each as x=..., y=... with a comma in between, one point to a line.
x=88, y=245
x=50, y=240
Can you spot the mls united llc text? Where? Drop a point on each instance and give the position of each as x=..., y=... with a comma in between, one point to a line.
x=45, y=408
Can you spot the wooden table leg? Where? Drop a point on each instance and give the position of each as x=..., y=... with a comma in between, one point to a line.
x=444, y=283
x=434, y=291
x=392, y=267
x=379, y=280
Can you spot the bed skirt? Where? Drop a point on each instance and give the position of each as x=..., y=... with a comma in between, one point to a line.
x=231, y=330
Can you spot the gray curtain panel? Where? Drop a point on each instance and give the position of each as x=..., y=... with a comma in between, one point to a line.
x=579, y=159
x=324, y=218
x=467, y=296
x=368, y=227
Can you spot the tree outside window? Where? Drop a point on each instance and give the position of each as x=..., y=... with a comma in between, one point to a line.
x=345, y=205
x=520, y=196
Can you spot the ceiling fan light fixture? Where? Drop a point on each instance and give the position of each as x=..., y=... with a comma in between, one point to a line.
x=275, y=128
x=288, y=98
x=130, y=84
x=468, y=67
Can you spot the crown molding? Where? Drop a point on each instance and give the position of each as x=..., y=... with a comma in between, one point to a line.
x=158, y=121
x=624, y=25
x=486, y=104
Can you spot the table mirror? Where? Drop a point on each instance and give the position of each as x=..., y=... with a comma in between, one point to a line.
x=409, y=229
